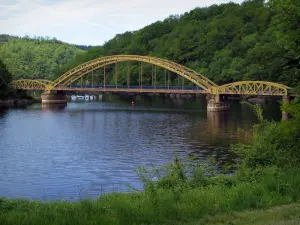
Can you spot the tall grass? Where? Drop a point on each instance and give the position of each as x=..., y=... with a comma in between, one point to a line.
x=178, y=195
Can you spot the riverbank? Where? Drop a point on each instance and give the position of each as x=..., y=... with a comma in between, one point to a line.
x=15, y=103
x=280, y=215
x=173, y=199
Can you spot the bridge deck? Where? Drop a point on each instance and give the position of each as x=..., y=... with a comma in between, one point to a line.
x=134, y=90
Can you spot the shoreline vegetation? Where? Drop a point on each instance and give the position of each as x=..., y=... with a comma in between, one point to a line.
x=10, y=98
x=185, y=192
x=16, y=103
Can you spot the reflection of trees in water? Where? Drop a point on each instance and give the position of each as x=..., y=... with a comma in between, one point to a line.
x=214, y=135
x=156, y=101
x=2, y=112
x=217, y=121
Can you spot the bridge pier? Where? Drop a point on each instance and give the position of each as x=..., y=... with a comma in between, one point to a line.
x=54, y=97
x=285, y=115
x=215, y=103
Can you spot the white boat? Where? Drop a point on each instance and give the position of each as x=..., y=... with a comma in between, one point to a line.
x=92, y=97
x=80, y=97
x=87, y=97
x=73, y=97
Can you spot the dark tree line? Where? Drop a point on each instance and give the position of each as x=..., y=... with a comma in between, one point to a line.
x=5, y=79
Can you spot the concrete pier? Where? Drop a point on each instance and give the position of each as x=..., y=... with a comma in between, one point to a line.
x=214, y=104
x=54, y=97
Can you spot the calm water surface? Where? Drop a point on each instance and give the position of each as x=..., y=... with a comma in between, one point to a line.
x=86, y=149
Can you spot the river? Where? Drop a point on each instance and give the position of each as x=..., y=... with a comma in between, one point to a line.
x=89, y=148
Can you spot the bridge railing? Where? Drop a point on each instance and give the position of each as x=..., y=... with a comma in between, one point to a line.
x=130, y=87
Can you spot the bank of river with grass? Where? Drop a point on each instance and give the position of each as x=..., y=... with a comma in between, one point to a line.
x=174, y=199
x=15, y=103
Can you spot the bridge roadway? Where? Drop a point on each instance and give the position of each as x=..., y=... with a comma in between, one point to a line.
x=133, y=89
x=153, y=89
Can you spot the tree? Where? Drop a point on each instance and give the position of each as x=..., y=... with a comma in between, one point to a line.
x=5, y=79
x=35, y=58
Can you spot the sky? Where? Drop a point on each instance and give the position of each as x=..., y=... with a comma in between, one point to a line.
x=88, y=22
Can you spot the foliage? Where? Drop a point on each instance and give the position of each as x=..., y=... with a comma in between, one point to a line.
x=84, y=47
x=34, y=58
x=273, y=143
x=5, y=79
x=227, y=42
x=293, y=107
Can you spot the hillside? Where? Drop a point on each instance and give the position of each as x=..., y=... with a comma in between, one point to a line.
x=226, y=43
x=34, y=58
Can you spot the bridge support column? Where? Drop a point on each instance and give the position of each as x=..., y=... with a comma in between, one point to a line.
x=285, y=115
x=215, y=104
x=54, y=97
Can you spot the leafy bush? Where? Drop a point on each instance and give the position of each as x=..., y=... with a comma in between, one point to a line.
x=273, y=143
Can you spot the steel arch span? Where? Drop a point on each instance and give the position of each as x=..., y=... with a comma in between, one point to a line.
x=85, y=68
x=253, y=88
x=27, y=84
x=208, y=86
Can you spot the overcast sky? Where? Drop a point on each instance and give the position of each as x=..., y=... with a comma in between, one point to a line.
x=88, y=22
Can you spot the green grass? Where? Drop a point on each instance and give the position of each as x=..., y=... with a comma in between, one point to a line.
x=281, y=215
x=167, y=201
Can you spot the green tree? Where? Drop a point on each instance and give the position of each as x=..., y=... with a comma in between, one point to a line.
x=5, y=79
x=35, y=58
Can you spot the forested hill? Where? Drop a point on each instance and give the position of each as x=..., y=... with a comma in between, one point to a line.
x=35, y=58
x=229, y=42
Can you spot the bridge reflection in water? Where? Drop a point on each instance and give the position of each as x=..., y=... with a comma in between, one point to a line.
x=216, y=121
x=54, y=107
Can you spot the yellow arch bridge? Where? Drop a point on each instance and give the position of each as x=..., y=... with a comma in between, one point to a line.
x=72, y=79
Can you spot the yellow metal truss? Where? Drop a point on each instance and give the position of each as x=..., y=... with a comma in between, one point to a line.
x=253, y=88
x=239, y=88
x=27, y=84
x=85, y=68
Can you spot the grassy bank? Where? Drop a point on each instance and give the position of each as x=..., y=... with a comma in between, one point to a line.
x=187, y=193
x=279, y=215
x=172, y=200
x=282, y=215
